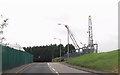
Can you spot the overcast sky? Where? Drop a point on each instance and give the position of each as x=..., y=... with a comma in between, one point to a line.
x=34, y=22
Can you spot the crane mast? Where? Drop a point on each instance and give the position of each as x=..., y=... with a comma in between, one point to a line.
x=91, y=47
x=90, y=39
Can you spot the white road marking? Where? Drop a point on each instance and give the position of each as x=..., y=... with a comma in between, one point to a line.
x=52, y=68
x=57, y=73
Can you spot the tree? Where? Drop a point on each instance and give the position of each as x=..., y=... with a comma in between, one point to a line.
x=48, y=52
x=71, y=48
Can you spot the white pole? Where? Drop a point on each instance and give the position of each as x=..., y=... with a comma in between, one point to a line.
x=67, y=39
x=68, y=43
x=60, y=50
x=60, y=47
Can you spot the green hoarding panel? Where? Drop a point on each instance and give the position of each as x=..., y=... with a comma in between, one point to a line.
x=12, y=58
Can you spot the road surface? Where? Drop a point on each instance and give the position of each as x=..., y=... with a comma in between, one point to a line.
x=53, y=69
x=48, y=69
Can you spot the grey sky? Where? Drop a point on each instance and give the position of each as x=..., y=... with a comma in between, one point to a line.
x=34, y=22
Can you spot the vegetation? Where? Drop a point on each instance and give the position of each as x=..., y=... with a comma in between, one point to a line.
x=57, y=59
x=107, y=61
x=48, y=52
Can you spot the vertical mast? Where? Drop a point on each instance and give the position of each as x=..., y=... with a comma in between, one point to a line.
x=90, y=40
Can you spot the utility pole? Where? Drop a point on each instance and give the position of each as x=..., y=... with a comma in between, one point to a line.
x=60, y=50
x=60, y=47
x=67, y=38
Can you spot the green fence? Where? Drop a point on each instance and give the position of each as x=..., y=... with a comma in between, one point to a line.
x=13, y=58
x=74, y=54
x=0, y=59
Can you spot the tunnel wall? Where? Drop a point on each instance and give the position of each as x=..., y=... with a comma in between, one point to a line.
x=12, y=58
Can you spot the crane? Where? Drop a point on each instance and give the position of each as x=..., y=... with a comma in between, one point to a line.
x=91, y=47
x=73, y=39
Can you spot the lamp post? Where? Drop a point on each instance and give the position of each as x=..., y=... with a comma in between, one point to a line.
x=67, y=38
x=60, y=47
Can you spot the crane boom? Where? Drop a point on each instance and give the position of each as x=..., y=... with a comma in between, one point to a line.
x=72, y=38
x=91, y=47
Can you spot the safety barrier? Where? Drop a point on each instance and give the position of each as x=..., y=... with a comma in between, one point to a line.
x=74, y=54
x=12, y=58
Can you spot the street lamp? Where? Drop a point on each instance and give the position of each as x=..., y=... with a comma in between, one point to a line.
x=67, y=37
x=60, y=47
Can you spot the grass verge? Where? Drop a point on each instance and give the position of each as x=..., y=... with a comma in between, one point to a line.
x=106, y=61
x=57, y=59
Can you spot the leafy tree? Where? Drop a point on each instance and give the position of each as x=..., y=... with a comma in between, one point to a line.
x=48, y=52
x=71, y=48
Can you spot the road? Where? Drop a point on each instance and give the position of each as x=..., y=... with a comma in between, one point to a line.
x=46, y=69
x=53, y=68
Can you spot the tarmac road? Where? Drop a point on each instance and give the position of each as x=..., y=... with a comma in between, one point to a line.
x=53, y=69
x=46, y=69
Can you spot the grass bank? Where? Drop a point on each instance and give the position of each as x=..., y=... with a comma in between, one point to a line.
x=57, y=59
x=107, y=61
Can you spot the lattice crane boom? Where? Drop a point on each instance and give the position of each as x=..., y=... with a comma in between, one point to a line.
x=72, y=38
